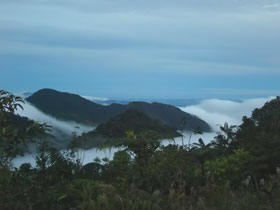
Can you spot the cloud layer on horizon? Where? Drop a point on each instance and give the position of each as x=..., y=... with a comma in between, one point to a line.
x=216, y=112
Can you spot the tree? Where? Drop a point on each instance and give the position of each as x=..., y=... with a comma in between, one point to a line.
x=183, y=123
x=11, y=135
x=201, y=152
x=224, y=142
x=142, y=146
x=260, y=135
x=233, y=168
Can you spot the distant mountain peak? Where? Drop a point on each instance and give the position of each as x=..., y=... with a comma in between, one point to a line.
x=70, y=106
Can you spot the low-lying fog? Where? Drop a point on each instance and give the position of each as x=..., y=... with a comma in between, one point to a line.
x=214, y=111
x=68, y=127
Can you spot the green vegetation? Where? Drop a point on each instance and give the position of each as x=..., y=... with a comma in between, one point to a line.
x=73, y=107
x=239, y=169
x=136, y=121
x=117, y=127
x=15, y=131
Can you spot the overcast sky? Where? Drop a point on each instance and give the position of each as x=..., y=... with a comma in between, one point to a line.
x=141, y=48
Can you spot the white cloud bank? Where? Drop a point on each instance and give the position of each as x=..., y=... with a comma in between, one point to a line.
x=66, y=126
x=91, y=98
x=216, y=111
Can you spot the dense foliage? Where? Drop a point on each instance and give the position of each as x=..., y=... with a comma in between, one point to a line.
x=15, y=131
x=136, y=121
x=118, y=126
x=232, y=172
x=260, y=136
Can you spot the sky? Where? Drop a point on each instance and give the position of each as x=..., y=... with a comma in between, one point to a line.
x=142, y=49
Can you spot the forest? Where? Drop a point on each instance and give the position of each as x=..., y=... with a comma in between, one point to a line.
x=238, y=169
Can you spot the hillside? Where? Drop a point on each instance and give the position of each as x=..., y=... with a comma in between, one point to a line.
x=169, y=115
x=136, y=121
x=130, y=120
x=260, y=135
x=68, y=106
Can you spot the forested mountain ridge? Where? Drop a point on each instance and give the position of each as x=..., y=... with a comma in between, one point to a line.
x=118, y=127
x=68, y=106
x=74, y=107
x=132, y=120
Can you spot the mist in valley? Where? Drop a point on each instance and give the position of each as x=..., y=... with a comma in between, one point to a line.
x=214, y=111
x=67, y=127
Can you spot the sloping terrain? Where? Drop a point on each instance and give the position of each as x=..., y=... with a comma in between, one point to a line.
x=68, y=106
x=118, y=126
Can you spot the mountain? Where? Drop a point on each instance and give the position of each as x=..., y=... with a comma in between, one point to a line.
x=170, y=115
x=69, y=106
x=174, y=102
x=116, y=127
x=136, y=121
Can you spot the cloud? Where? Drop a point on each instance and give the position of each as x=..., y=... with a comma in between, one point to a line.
x=66, y=126
x=273, y=7
x=191, y=36
x=142, y=5
x=91, y=98
x=254, y=93
x=134, y=42
x=216, y=111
